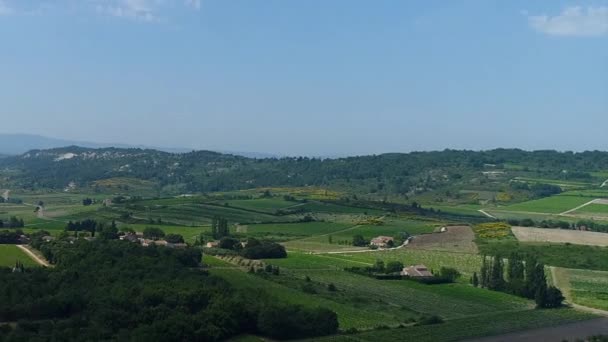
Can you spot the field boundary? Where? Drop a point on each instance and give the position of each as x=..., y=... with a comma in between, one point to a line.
x=579, y=207
x=567, y=294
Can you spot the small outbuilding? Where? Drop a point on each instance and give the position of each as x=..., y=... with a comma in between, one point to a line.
x=416, y=271
x=382, y=241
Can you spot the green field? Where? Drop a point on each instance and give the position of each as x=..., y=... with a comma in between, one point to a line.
x=594, y=208
x=466, y=328
x=551, y=205
x=322, y=207
x=391, y=227
x=267, y=205
x=589, y=288
x=9, y=254
x=302, y=229
x=349, y=316
x=464, y=262
x=553, y=254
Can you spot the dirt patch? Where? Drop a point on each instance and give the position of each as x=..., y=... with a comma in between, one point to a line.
x=571, y=331
x=455, y=238
x=577, y=237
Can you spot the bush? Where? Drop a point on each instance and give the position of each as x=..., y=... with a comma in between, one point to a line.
x=153, y=233
x=448, y=273
x=429, y=320
x=229, y=243
x=289, y=322
x=174, y=238
x=265, y=250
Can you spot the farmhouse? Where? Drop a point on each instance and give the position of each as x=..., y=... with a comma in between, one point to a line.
x=382, y=241
x=212, y=244
x=416, y=271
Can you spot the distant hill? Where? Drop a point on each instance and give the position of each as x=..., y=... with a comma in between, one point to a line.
x=442, y=173
x=15, y=144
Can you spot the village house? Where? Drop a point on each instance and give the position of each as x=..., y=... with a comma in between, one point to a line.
x=382, y=241
x=212, y=244
x=416, y=271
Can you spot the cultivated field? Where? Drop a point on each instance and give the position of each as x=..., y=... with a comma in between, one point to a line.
x=456, y=238
x=583, y=287
x=549, y=205
x=527, y=234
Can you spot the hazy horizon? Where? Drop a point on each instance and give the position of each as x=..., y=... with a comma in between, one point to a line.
x=308, y=78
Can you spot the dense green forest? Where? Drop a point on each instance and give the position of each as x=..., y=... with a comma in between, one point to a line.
x=204, y=171
x=116, y=290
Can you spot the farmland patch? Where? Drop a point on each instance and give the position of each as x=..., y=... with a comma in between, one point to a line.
x=527, y=234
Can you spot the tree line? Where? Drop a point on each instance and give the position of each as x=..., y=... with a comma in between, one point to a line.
x=525, y=277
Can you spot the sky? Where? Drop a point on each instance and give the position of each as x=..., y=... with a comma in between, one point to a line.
x=309, y=77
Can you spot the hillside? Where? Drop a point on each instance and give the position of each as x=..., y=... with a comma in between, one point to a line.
x=441, y=175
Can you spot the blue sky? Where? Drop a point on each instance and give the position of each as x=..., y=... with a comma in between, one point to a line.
x=312, y=77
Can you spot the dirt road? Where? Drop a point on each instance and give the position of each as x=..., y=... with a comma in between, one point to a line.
x=31, y=254
x=579, y=207
x=487, y=214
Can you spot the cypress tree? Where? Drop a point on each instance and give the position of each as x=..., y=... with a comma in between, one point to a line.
x=475, y=280
x=484, y=272
x=497, y=281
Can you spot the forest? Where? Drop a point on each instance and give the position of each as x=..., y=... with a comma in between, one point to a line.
x=116, y=290
x=205, y=171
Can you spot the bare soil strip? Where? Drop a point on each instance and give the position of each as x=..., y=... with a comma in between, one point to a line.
x=577, y=237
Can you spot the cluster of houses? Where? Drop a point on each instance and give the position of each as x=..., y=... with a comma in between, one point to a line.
x=139, y=238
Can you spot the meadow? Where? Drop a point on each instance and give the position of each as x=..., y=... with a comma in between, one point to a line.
x=349, y=316
x=467, y=328
x=9, y=254
x=588, y=288
x=293, y=230
x=266, y=205
x=466, y=263
x=593, y=208
x=550, y=205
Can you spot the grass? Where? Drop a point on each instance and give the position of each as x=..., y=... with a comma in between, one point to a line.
x=9, y=254
x=268, y=205
x=550, y=205
x=391, y=227
x=348, y=316
x=323, y=207
x=593, y=208
x=588, y=288
x=485, y=325
x=450, y=301
x=305, y=261
x=466, y=263
x=293, y=229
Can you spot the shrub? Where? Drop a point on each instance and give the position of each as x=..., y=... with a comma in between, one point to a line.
x=153, y=233
x=174, y=238
x=429, y=320
x=265, y=250
x=288, y=322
